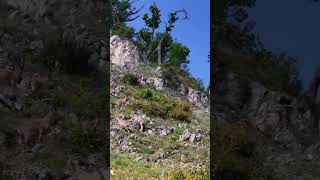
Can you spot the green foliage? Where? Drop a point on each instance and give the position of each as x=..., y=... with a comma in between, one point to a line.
x=150, y=41
x=122, y=11
x=146, y=41
x=171, y=76
x=182, y=110
x=146, y=94
x=76, y=98
x=234, y=138
x=235, y=154
x=195, y=174
x=154, y=21
x=131, y=79
x=123, y=30
x=174, y=76
x=232, y=9
x=141, y=148
x=126, y=168
x=87, y=133
x=178, y=54
x=145, y=36
x=157, y=104
x=54, y=156
x=88, y=138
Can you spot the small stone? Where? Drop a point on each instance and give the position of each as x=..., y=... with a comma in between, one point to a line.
x=185, y=135
x=192, y=138
x=150, y=131
x=163, y=133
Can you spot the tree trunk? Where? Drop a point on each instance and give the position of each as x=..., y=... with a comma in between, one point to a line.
x=159, y=53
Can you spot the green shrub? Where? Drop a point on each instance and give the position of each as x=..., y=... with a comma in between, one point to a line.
x=170, y=76
x=196, y=174
x=76, y=97
x=235, y=155
x=131, y=79
x=146, y=94
x=174, y=76
x=235, y=138
x=90, y=138
x=158, y=104
x=122, y=30
x=182, y=110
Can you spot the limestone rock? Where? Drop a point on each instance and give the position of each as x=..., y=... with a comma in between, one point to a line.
x=123, y=52
x=185, y=135
x=194, y=96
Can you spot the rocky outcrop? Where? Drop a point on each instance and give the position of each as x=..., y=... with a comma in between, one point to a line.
x=284, y=118
x=194, y=96
x=123, y=52
x=154, y=81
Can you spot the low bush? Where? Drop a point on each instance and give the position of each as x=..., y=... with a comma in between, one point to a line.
x=131, y=79
x=175, y=76
x=235, y=154
x=182, y=110
x=157, y=104
x=90, y=138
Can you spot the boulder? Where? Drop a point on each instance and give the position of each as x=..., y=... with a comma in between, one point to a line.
x=123, y=52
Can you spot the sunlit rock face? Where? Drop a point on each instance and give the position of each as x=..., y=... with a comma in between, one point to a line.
x=123, y=52
x=194, y=96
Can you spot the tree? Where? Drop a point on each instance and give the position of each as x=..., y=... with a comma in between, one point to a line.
x=226, y=9
x=151, y=41
x=178, y=55
x=123, y=12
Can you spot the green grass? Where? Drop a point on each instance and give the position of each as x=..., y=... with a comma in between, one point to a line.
x=159, y=104
x=141, y=147
x=126, y=168
x=54, y=156
x=236, y=153
x=80, y=96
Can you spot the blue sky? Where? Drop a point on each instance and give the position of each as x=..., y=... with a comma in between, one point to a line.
x=292, y=26
x=194, y=33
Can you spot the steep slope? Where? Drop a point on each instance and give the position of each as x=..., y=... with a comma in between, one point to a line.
x=156, y=131
x=260, y=124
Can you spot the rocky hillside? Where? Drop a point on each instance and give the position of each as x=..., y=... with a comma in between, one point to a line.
x=261, y=131
x=53, y=57
x=156, y=131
